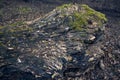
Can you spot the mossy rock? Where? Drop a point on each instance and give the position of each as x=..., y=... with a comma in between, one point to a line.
x=86, y=14
x=81, y=15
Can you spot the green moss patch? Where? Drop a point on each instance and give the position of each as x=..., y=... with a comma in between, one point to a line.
x=94, y=14
x=86, y=14
x=82, y=15
x=64, y=6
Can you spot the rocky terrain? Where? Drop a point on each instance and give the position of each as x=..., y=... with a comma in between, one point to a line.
x=12, y=11
x=72, y=42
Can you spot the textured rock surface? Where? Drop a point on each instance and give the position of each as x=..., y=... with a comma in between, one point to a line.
x=108, y=66
x=52, y=49
x=26, y=10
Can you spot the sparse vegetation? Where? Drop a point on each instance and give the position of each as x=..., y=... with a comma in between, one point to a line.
x=80, y=19
x=19, y=23
x=14, y=27
x=92, y=12
x=64, y=6
x=24, y=10
x=53, y=50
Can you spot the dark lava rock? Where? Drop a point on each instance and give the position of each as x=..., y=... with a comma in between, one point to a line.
x=10, y=72
x=53, y=49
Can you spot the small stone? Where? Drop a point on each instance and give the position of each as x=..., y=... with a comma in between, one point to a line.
x=10, y=48
x=54, y=75
x=91, y=59
x=67, y=28
x=38, y=31
x=94, y=24
x=19, y=61
x=68, y=58
x=91, y=37
x=39, y=26
x=102, y=65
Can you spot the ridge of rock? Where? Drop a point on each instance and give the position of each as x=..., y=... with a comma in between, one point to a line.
x=66, y=38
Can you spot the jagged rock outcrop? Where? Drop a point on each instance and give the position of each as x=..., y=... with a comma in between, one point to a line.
x=66, y=43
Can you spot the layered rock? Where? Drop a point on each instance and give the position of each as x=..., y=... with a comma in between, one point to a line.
x=67, y=38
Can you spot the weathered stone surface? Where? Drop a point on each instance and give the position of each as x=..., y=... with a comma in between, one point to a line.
x=53, y=48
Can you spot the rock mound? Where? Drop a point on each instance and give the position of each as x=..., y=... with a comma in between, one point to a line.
x=66, y=43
